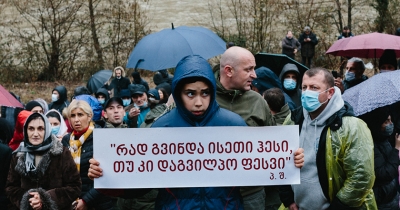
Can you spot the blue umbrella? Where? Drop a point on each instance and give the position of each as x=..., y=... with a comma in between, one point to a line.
x=166, y=48
x=378, y=91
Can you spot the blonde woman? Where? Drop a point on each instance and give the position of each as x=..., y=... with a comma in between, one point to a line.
x=80, y=144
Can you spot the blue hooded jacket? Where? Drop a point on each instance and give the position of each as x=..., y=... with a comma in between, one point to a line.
x=200, y=197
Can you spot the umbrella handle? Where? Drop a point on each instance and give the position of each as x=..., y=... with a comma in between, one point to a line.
x=137, y=64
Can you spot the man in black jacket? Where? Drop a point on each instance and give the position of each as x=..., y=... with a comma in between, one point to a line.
x=290, y=45
x=119, y=82
x=308, y=40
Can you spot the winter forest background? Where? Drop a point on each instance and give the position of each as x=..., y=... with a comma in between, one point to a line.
x=49, y=40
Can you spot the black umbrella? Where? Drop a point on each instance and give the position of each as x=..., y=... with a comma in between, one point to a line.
x=275, y=62
x=98, y=80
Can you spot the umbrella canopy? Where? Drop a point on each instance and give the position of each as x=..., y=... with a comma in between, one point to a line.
x=166, y=48
x=275, y=62
x=98, y=79
x=6, y=99
x=378, y=91
x=365, y=46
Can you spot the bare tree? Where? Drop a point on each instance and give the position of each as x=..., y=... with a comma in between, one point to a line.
x=382, y=7
x=51, y=23
x=124, y=26
x=93, y=26
x=252, y=22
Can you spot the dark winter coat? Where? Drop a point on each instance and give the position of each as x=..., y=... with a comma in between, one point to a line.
x=288, y=46
x=58, y=181
x=386, y=173
x=354, y=82
x=141, y=82
x=294, y=94
x=5, y=157
x=204, y=197
x=344, y=35
x=386, y=160
x=91, y=196
x=6, y=131
x=118, y=84
x=308, y=48
x=62, y=102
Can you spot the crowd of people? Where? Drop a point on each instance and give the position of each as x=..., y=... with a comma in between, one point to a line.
x=345, y=162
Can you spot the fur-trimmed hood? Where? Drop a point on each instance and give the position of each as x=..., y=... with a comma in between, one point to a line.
x=55, y=150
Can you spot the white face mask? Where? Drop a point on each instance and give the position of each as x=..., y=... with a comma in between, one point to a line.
x=54, y=97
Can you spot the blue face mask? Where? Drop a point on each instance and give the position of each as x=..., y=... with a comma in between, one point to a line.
x=144, y=106
x=126, y=102
x=388, y=130
x=54, y=97
x=309, y=100
x=101, y=100
x=55, y=130
x=289, y=84
x=349, y=76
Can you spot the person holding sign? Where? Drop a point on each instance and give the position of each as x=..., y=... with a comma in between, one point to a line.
x=193, y=89
x=339, y=153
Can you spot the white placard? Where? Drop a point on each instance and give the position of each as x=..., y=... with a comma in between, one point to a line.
x=196, y=156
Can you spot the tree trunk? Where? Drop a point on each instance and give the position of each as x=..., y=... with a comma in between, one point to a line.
x=349, y=7
x=99, y=50
x=339, y=11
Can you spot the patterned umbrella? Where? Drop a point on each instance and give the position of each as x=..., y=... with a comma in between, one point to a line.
x=378, y=91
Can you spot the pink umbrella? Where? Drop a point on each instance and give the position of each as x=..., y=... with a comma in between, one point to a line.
x=6, y=99
x=365, y=46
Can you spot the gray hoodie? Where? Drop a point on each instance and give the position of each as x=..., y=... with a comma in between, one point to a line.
x=309, y=195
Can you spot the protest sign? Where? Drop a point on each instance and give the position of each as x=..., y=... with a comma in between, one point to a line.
x=196, y=156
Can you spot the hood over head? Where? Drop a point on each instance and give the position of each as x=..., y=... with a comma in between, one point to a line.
x=18, y=135
x=388, y=57
x=374, y=120
x=120, y=68
x=136, y=77
x=32, y=104
x=63, y=93
x=266, y=79
x=43, y=103
x=104, y=92
x=47, y=131
x=158, y=78
x=290, y=67
x=190, y=69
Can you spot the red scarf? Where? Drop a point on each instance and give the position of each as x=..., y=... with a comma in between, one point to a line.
x=78, y=134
